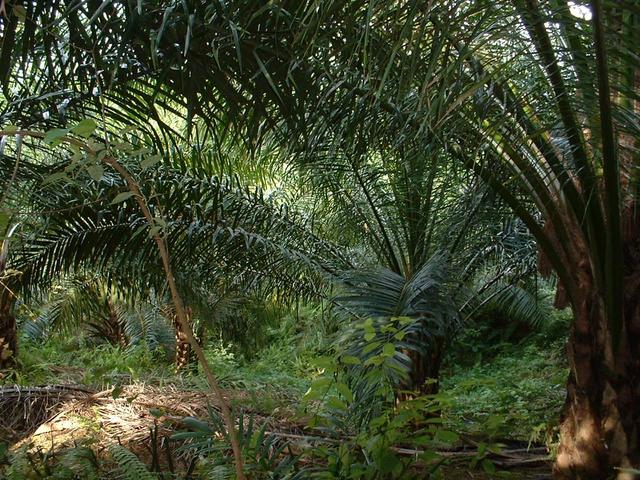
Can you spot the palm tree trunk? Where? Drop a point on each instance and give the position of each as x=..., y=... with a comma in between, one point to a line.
x=425, y=371
x=425, y=375
x=185, y=355
x=600, y=422
x=8, y=327
x=8, y=334
x=114, y=327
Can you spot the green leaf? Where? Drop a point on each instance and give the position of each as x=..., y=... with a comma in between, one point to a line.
x=95, y=145
x=371, y=347
x=76, y=157
x=4, y=222
x=322, y=382
x=96, y=171
x=55, y=136
x=318, y=388
x=124, y=146
x=265, y=72
x=389, y=462
x=323, y=362
x=20, y=12
x=368, y=336
x=150, y=161
x=488, y=466
x=351, y=360
x=140, y=151
x=345, y=391
x=153, y=231
x=377, y=360
x=121, y=197
x=197, y=425
x=482, y=449
x=447, y=436
x=422, y=440
x=156, y=412
x=429, y=456
x=139, y=230
x=400, y=335
x=85, y=128
x=389, y=349
x=10, y=128
x=336, y=404
x=55, y=177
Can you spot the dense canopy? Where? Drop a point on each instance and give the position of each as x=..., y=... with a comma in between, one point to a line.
x=377, y=201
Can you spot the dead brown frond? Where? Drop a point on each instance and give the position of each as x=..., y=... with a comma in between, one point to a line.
x=23, y=409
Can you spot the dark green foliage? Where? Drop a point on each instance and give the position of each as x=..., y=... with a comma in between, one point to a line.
x=88, y=306
x=371, y=153
x=129, y=466
x=514, y=392
x=71, y=463
x=75, y=360
x=365, y=424
x=214, y=227
x=266, y=455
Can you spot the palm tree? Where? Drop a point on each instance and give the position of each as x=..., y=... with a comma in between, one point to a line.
x=382, y=174
x=574, y=157
x=542, y=104
x=127, y=62
x=450, y=290
x=217, y=228
x=87, y=304
x=538, y=102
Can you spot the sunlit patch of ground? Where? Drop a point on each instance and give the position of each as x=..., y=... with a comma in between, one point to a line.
x=124, y=415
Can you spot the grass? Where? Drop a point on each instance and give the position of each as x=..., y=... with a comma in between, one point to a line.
x=502, y=390
x=64, y=360
x=513, y=391
x=273, y=380
x=517, y=393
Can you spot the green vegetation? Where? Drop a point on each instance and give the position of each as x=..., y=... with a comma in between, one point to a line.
x=506, y=393
x=522, y=388
x=294, y=239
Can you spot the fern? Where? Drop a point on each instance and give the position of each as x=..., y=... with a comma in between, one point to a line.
x=220, y=472
x=129, y=466
x=81, y=461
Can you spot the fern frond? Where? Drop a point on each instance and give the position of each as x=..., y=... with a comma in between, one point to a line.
x=130, y=467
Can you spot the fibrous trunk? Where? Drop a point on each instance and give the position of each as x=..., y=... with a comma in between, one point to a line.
x=185, y=355
x=8, y=337
x=425, y=370
x=600, y=423
x=112, y=328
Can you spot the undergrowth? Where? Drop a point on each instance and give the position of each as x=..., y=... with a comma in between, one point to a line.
x=519, y=391
x=513, y=391
x=516, y=387
x=71, y=360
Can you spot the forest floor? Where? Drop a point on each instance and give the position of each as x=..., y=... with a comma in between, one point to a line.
x=68, y=394
x=49, y=419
